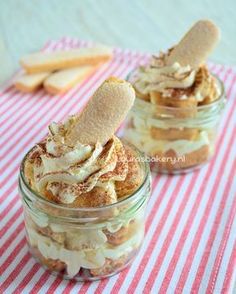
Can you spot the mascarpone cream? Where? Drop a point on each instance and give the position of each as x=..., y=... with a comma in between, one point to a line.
x=68, y=171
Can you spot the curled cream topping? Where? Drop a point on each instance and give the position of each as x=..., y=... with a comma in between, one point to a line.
x=68, y=171
x=159, y=77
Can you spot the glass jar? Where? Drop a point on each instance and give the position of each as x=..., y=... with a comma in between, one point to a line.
x=85, y=243
x=176, y=140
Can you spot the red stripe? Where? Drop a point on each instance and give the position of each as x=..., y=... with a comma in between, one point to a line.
x=54, y=285
x=40, y=282
x=231, y=269
x=69, y=286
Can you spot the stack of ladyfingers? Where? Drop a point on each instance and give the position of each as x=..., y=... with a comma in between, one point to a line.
x=59, y=71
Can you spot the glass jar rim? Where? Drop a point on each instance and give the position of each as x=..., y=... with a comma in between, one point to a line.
x=219, y=100
x=136, y=194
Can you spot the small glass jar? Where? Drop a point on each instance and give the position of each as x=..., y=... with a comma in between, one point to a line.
x=85, y=243
x=176, y=140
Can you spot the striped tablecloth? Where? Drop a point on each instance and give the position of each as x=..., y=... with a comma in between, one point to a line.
x=190, y=243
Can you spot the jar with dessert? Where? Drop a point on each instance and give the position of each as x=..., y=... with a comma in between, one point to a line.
x=85, y=191
x=178, y=104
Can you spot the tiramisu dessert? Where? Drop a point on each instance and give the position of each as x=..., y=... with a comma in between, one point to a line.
x=84, y=190
x=178, y=103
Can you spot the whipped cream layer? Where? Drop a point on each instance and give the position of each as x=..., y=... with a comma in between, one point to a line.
x=68, y=171
x=169, y=80
x=144, y=118
x=86, y=258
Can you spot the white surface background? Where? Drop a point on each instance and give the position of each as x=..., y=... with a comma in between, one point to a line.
x=151, y=25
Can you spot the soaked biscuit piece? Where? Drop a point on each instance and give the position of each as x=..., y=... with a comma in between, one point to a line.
x=191, y=159
x=173, y=134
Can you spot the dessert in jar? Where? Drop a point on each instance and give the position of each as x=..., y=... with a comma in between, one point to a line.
x=85, y=191
x=178, y=104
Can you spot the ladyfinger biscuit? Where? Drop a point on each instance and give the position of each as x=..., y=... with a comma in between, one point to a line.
x=196, y=45
x=51, y=264
x=123, y=234
x=173, y=134
x=110, y=266
x=63, y=80
x=191, y=159
x=103, y=114
x=30, y=82
x=51, y=61
x=185, y=107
